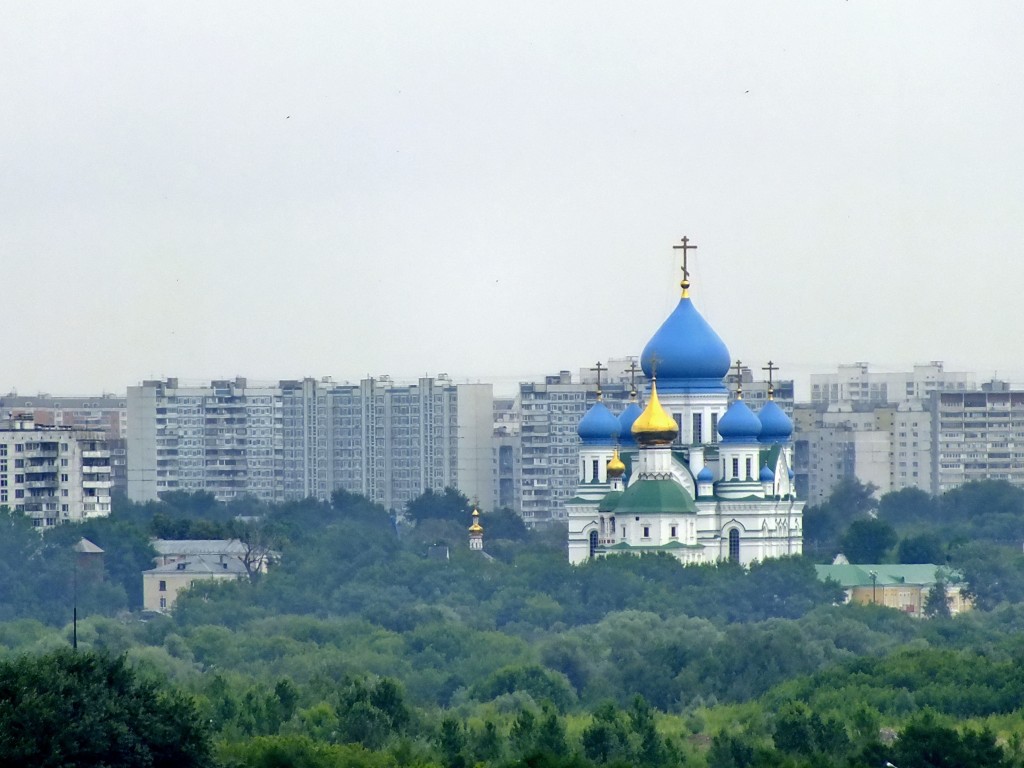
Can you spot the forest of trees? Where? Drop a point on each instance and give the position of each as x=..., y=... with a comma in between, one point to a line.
x=357, y=648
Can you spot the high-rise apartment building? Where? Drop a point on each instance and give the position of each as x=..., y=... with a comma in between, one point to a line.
x=309, y=437
x=98, y=413
x=977, y=436
x=387, y=441
x=875, y=427
x=842, y=443
x=549, y=446
x=855, y=383
x=53, y=474
x=224, y=438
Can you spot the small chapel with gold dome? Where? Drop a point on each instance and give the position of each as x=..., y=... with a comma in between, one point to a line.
x=689, y=474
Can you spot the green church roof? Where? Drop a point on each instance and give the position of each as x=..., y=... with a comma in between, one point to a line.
x=654, y=497
x=610, y=501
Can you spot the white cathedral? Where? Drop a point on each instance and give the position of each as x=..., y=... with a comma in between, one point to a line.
x=689, y=475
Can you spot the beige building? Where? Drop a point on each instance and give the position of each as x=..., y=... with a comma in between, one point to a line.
x=903, y=587
x=162, y=585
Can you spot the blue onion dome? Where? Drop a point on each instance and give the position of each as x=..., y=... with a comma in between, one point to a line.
x=705, y=475
x=626, y=419
x=776, y=426
x=598, y=426
x=686, y=353
x=739, y=424
x=767, y=476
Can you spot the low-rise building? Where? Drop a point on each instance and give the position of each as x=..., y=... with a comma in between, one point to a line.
x=162, y=585
x=903, y=587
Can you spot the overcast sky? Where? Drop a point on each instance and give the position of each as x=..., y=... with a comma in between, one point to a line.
x=492, y=190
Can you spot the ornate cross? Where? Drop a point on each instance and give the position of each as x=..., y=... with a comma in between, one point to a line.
x=684, y=248
x=771, y=367
x=599, y=368
x=633, y=368
x=739, y=379
x=653, y=361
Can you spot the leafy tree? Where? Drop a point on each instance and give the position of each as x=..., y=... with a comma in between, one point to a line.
x=850, y=500
x=606, y=738
x=926, y=742
x=730, y=750
x=984, y=497
x=83, y=708
x=925, y=548
x=449, y=504
x=370, y=713
x=993, y=574
x=451, y=743
x=523, y=735
x=540, y=683
x=650, y=751
x=550, y=738
x=937, y=600
x=488, y=743
x=908, y=506
x=868, y=541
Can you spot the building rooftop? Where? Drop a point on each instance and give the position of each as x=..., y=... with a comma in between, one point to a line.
x=200, y=565
x=189, y=547
x=849, y=575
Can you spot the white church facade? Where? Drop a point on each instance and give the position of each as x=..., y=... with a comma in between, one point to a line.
x=689, y=474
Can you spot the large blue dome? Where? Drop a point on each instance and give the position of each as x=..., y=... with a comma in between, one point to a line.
x=776, y=426
x=626, y=419
x=690, y=355
x=739, y=424
x=598, y=426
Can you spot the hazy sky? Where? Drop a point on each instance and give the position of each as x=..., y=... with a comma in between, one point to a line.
x=492, y=189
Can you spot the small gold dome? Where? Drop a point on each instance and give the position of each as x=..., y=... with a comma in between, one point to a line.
x=476, y=527
x=615, y=467
x=654, y=426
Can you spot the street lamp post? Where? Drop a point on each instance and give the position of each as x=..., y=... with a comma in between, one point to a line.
x=874, y=581
x=74, y=619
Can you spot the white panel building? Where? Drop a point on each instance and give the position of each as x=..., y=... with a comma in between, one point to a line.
x=53, y=474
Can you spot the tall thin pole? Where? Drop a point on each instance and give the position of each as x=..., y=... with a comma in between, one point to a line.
x=74, y=619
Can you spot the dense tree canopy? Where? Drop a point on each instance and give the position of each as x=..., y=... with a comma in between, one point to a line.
x=89, y=709
x=364, y=645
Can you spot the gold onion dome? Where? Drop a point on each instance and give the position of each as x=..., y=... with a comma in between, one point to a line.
x=615, y=467
x=476, y=527
x=654, y=426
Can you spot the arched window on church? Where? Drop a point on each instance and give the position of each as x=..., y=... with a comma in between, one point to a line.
x=734, y=545
x=593, y=543
x=597, y=472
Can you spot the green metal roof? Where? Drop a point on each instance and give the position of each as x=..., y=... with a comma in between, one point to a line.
x=655, y=497
x=577, y=500
x=654, y=547
x=885, y=574
x=770, y=456
x=610, y=501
